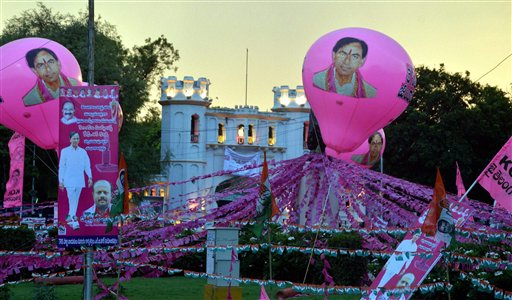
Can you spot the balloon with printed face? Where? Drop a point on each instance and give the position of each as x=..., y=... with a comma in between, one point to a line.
x=31, y=72
x=368, y=154
x=357, y=81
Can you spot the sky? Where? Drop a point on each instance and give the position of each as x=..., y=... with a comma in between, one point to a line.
x=213, y=36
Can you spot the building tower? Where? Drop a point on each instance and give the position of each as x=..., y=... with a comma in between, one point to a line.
x=183, y=155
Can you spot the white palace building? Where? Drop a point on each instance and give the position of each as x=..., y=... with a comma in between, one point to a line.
x=199, y=138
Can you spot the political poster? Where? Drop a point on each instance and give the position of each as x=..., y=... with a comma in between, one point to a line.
x=88, y=165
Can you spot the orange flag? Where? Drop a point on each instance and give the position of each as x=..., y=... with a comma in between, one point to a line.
x=439, y=201
x=266, y=206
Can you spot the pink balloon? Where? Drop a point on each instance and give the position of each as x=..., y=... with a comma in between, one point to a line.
x=381, y=82
x=362, y=155
x=27, y=106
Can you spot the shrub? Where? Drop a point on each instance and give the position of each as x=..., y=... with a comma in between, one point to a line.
x=44, y=292
x=17, y=239
x=5, y=292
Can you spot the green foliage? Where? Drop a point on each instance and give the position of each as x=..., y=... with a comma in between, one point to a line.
x=450, y=118
x=17, y=239
x=44, y=292
x=292, y=265
x=192, y=262
x=136, y=70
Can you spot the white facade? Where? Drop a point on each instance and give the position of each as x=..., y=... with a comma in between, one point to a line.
x=194, y=134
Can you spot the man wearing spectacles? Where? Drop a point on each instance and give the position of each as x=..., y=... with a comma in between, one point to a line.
x=46, y=66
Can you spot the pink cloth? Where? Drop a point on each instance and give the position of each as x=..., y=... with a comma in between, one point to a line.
x=41, y=88
x=461, y=190
x=14, y=188
x=263, y=294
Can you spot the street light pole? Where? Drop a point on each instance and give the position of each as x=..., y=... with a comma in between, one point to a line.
x=33, y=192
x=89, y=252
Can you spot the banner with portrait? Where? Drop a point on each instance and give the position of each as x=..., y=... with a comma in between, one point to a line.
x=414, y=258
x=89, y=122
x=13, y=196
x=235, y=161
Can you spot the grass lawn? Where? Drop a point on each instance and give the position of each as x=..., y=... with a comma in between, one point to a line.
x=175, y=288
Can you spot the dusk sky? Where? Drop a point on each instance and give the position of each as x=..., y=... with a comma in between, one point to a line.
x=212, y=36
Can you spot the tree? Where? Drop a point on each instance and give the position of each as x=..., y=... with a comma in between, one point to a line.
x=136, y=70
x=450, y=118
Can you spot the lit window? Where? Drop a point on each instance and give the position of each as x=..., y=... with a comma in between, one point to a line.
x=194, y=129
x=221, y=134
x=305, y=135
x=240, y=134
x=251, y=137
x=271, y=136
x=162, y=192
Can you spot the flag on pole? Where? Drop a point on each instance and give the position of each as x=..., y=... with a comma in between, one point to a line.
x=461, y=190
x=120, y=205
x=13, y=196
x=266, y=206
x=429, y=226
x=496, y=178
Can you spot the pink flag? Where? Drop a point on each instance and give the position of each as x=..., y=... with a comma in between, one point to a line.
x=14, y=187
x=461, y=190
x=496, y=178
x=263, y=294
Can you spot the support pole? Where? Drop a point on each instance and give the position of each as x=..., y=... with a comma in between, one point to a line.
x=246, y=72
x=33, y=190
x=88, y=256
x=467, y=192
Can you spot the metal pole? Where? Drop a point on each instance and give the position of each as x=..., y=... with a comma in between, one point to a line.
x=118, y=265
x=246, y=72
x=88, y=256
x=33, y=191
x=467, y=192
x=90, y=44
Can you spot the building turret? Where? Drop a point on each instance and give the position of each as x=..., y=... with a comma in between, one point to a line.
x=184, y=104
x=293, y=102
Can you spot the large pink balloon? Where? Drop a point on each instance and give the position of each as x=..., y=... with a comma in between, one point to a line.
x=361, y=155
x=377, y=93
x=21, y=92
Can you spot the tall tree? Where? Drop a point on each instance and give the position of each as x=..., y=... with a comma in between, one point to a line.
x=450, y=118
x=136, y=70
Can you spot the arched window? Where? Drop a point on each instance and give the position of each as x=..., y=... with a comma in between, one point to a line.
x=240, y=134
x=251, y=135
x=271, y=136
x=305, y=131
x=221, y=134
x=194, y=129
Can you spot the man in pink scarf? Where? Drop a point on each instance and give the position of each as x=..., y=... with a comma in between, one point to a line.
x=46, y=66
x=343, y=75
